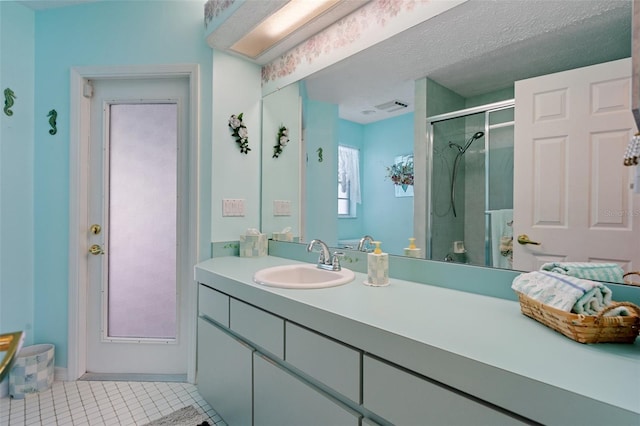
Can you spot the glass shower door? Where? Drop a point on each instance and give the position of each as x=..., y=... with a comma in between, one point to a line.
x=471, y=177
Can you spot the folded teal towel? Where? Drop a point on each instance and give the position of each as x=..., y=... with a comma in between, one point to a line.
x=567, y=293
x=608, y=272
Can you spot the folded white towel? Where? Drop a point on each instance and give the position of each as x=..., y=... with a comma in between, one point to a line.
x=608, y=272
x=566, y=293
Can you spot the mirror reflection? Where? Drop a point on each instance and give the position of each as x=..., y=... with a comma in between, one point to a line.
x=450, y=117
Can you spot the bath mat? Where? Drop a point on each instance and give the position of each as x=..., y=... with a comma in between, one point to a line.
x=186, y=416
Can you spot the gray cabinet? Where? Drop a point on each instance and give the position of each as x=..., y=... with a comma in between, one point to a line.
x=224, y=373
x=407, y=399
x=281, y=399
x=257, y=368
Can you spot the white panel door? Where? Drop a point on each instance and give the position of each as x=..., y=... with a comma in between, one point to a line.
x=138, y=277
x=574, y=196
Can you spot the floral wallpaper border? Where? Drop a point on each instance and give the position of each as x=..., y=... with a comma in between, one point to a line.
x=368, y=25
x=214, y=8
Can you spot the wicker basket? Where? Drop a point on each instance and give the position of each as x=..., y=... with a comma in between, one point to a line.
x=629, y=280
x=585, y=328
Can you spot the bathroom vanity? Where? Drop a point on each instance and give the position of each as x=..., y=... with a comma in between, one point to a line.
x=406, y=354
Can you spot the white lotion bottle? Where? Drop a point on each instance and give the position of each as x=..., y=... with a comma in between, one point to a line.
x=377, y=267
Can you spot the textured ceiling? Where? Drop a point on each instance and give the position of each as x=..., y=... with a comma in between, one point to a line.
x=475, y=48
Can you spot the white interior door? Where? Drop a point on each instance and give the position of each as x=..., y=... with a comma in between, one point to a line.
x=138, y=276
x=573, y=194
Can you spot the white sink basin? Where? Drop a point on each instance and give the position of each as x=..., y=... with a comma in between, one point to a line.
x=302, y=276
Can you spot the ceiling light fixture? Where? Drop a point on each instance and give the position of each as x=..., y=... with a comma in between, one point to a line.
x=280, y=24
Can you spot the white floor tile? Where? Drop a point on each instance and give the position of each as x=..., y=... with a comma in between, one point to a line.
x=108, y=403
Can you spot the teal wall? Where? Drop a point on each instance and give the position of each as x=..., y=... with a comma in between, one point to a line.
x=382, y=215
x=352, y=135
x=320, y=128
x=17, y=245
x=488, y=98
x=387, y=218
x=92, y=34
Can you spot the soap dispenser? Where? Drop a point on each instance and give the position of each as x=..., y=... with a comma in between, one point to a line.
x=377, y=267
x=412, y=250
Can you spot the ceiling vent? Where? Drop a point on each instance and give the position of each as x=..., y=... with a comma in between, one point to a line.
x=392, y=106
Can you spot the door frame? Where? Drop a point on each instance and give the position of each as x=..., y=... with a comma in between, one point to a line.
x=79, y=193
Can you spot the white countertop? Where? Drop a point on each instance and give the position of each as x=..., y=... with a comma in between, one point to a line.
x=478, y=344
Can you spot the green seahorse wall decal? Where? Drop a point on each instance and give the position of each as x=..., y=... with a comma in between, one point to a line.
x=53, y=116
x=9, y=97
x=319, y=151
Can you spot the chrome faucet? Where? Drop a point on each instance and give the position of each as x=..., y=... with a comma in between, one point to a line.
x=363, y=241
x=326, y=261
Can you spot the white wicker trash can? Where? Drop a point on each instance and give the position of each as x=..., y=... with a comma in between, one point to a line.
x=32, y=370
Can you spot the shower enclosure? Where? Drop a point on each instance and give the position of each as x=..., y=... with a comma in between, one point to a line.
x=470, y=190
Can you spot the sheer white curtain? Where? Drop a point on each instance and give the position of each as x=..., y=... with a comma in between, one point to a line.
x=349, y=171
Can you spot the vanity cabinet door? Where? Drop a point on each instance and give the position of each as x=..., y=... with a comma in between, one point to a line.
x=224, y=373
x=407, y=399
x=281, y=399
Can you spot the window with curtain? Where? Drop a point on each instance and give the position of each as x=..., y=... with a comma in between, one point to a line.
x=348, y=180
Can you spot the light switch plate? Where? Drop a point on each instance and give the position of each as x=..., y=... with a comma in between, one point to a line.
x=282, y=208
x=232, y=207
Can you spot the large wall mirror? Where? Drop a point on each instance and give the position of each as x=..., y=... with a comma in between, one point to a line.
x=429, y=115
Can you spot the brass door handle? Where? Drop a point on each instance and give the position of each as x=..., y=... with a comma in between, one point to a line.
x=95, y=229
x=524, y=239
x=96, y=250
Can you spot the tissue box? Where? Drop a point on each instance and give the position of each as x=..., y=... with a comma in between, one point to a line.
x=253, y=245
x=416, y=252
x=283, y=236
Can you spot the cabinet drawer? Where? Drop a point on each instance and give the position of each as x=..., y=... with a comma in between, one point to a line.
x=259, y=327
x=214, y=305
x=332, y=363
x=407, y=399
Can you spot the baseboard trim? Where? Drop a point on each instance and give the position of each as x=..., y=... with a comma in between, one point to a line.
x=116, y=377
x=60, y=374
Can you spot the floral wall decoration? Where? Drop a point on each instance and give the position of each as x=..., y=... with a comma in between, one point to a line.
x=282, y=141
x=240, y=132
x=341, y=34
x=213, y=8
x=366, y=26
x=401, y=174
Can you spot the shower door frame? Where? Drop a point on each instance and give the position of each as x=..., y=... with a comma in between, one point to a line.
x=485, y=109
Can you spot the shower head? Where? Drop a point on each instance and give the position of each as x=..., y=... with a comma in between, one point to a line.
x=475, y=136
x=462, y=150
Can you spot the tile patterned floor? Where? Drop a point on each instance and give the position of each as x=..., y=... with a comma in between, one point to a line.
x=103, y=403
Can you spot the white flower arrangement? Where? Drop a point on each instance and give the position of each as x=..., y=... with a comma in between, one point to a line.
x=283, y=140
x=240, y=132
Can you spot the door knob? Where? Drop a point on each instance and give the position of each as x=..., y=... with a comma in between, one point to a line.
x=95, y=229
x=524, y=239
x=96, y=250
